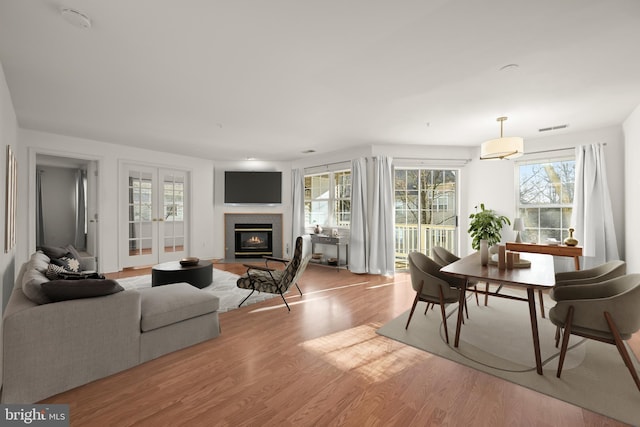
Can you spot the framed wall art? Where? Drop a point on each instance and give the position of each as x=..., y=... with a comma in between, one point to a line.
x=10, y=201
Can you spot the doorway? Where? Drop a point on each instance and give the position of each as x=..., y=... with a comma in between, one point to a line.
x=66, y=203
x=154, y=215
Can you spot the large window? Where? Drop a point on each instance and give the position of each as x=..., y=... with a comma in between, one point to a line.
x=545, y=198
x=327, y=199
x=425, y=210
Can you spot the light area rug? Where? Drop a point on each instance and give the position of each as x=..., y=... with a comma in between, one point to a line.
x=496, y=339
x=223, y=286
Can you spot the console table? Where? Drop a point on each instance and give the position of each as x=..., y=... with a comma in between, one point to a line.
x=322, y=239
x=574, y=252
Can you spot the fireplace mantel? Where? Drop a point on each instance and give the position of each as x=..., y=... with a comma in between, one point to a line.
x=231, y=219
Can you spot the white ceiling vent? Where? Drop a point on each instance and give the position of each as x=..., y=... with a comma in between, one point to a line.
x=558, y=127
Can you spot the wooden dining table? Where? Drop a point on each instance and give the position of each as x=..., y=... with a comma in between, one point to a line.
x=539, y=275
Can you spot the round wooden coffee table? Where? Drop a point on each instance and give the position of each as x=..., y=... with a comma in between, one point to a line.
x=198, y=275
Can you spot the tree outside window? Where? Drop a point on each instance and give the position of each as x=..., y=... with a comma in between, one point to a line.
x=546, y=198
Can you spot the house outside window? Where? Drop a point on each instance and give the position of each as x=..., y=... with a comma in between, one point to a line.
x=327, y=199
x=545, y=198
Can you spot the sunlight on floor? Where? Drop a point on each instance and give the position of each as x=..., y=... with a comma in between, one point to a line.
x=362, y=351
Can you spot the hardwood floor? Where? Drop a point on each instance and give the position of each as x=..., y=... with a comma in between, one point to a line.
x=321, y=364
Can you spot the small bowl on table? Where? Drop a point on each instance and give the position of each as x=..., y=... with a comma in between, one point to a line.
x=189, y=261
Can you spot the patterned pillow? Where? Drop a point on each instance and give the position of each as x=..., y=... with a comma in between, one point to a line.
x=66, y=264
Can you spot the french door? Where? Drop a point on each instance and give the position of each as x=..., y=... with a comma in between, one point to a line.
x=154, y=216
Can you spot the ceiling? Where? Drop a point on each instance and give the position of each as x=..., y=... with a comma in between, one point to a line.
x=272, y=79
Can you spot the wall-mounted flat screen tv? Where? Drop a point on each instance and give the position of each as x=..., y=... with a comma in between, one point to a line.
x=250, y=187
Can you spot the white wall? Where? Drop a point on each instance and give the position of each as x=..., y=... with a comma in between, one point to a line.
x=632, y=190
x=109, y=156
x=8, y=136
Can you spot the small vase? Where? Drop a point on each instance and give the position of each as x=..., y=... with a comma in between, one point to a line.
x=318, y=229
x=484, y=252
x=570, y=241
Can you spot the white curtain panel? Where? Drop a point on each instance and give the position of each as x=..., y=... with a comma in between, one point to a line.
x=358, y=236
x=297, y=201
x=381, y=248
x=592, y=214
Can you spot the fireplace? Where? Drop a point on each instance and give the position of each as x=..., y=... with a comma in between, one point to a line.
x=253, y=240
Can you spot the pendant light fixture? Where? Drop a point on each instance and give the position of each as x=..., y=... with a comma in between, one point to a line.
x=503, y=147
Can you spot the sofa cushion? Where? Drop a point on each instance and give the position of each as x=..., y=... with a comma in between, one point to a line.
x=32, y=281
x=55, y=252
x=62, y=290
x=169, y=304
x=40, y=262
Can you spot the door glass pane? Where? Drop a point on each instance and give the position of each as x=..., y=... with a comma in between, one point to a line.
x=173, y=188
x=140, y=212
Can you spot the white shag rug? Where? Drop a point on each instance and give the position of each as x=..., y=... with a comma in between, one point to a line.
x=223, y=286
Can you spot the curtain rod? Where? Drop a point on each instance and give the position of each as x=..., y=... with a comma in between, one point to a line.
x=556, y=149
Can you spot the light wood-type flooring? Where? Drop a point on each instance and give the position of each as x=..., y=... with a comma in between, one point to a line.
x=321, y=364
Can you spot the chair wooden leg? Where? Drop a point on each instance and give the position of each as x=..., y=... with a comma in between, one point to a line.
x=299, y=289
x=565, y=340
x=413, y=307
x=475, y=288
x=466, y=308
x=444, y=315
x=541, y=303
x=429, y=304
x=247, y=297
x=486, y=295
x=557, y=336
x=621, y=348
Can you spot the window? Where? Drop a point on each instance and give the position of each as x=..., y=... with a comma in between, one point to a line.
x=327, y=199
x=425, y=210
x=545, y=198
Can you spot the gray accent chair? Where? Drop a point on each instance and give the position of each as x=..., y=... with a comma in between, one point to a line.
x=605, y=311
x=432, y=286
x=270, y=280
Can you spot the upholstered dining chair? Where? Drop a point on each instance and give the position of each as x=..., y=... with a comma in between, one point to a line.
x=267, y=279
x=432, y=286
x=444, y=257
x=606, y=271
x=605, y=311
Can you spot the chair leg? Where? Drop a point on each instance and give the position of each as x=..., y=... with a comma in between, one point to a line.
x=285, y=302
x=299, y=289
x=413, y=307
x=486, y=295
x=444, y=314
x=541, y=303
x=621, y=348
x=427, y=308
x=475, y=288
x=557, y=336
x=241, y=302
x=565, y=340
x=466, y=308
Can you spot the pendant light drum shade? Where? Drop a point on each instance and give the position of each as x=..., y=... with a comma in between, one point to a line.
x=503, y=147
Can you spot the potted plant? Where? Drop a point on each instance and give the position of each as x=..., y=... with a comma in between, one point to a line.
x=486, y=225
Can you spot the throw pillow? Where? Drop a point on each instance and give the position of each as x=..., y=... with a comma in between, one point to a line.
x=53, y=252
x=63, y=290
x=66, y=264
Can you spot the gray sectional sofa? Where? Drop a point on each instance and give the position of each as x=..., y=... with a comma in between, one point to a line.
x=52, y=347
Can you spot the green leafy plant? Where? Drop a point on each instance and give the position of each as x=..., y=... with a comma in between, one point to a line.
x=486, y=225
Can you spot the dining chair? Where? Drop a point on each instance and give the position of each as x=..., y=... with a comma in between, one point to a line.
x=443, y=257
x=432, y=286
x=605, y=311
x=606, y=271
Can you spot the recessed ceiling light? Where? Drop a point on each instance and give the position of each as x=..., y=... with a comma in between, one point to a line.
x=556, y=127
x=308, y=151
x=76, y=18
